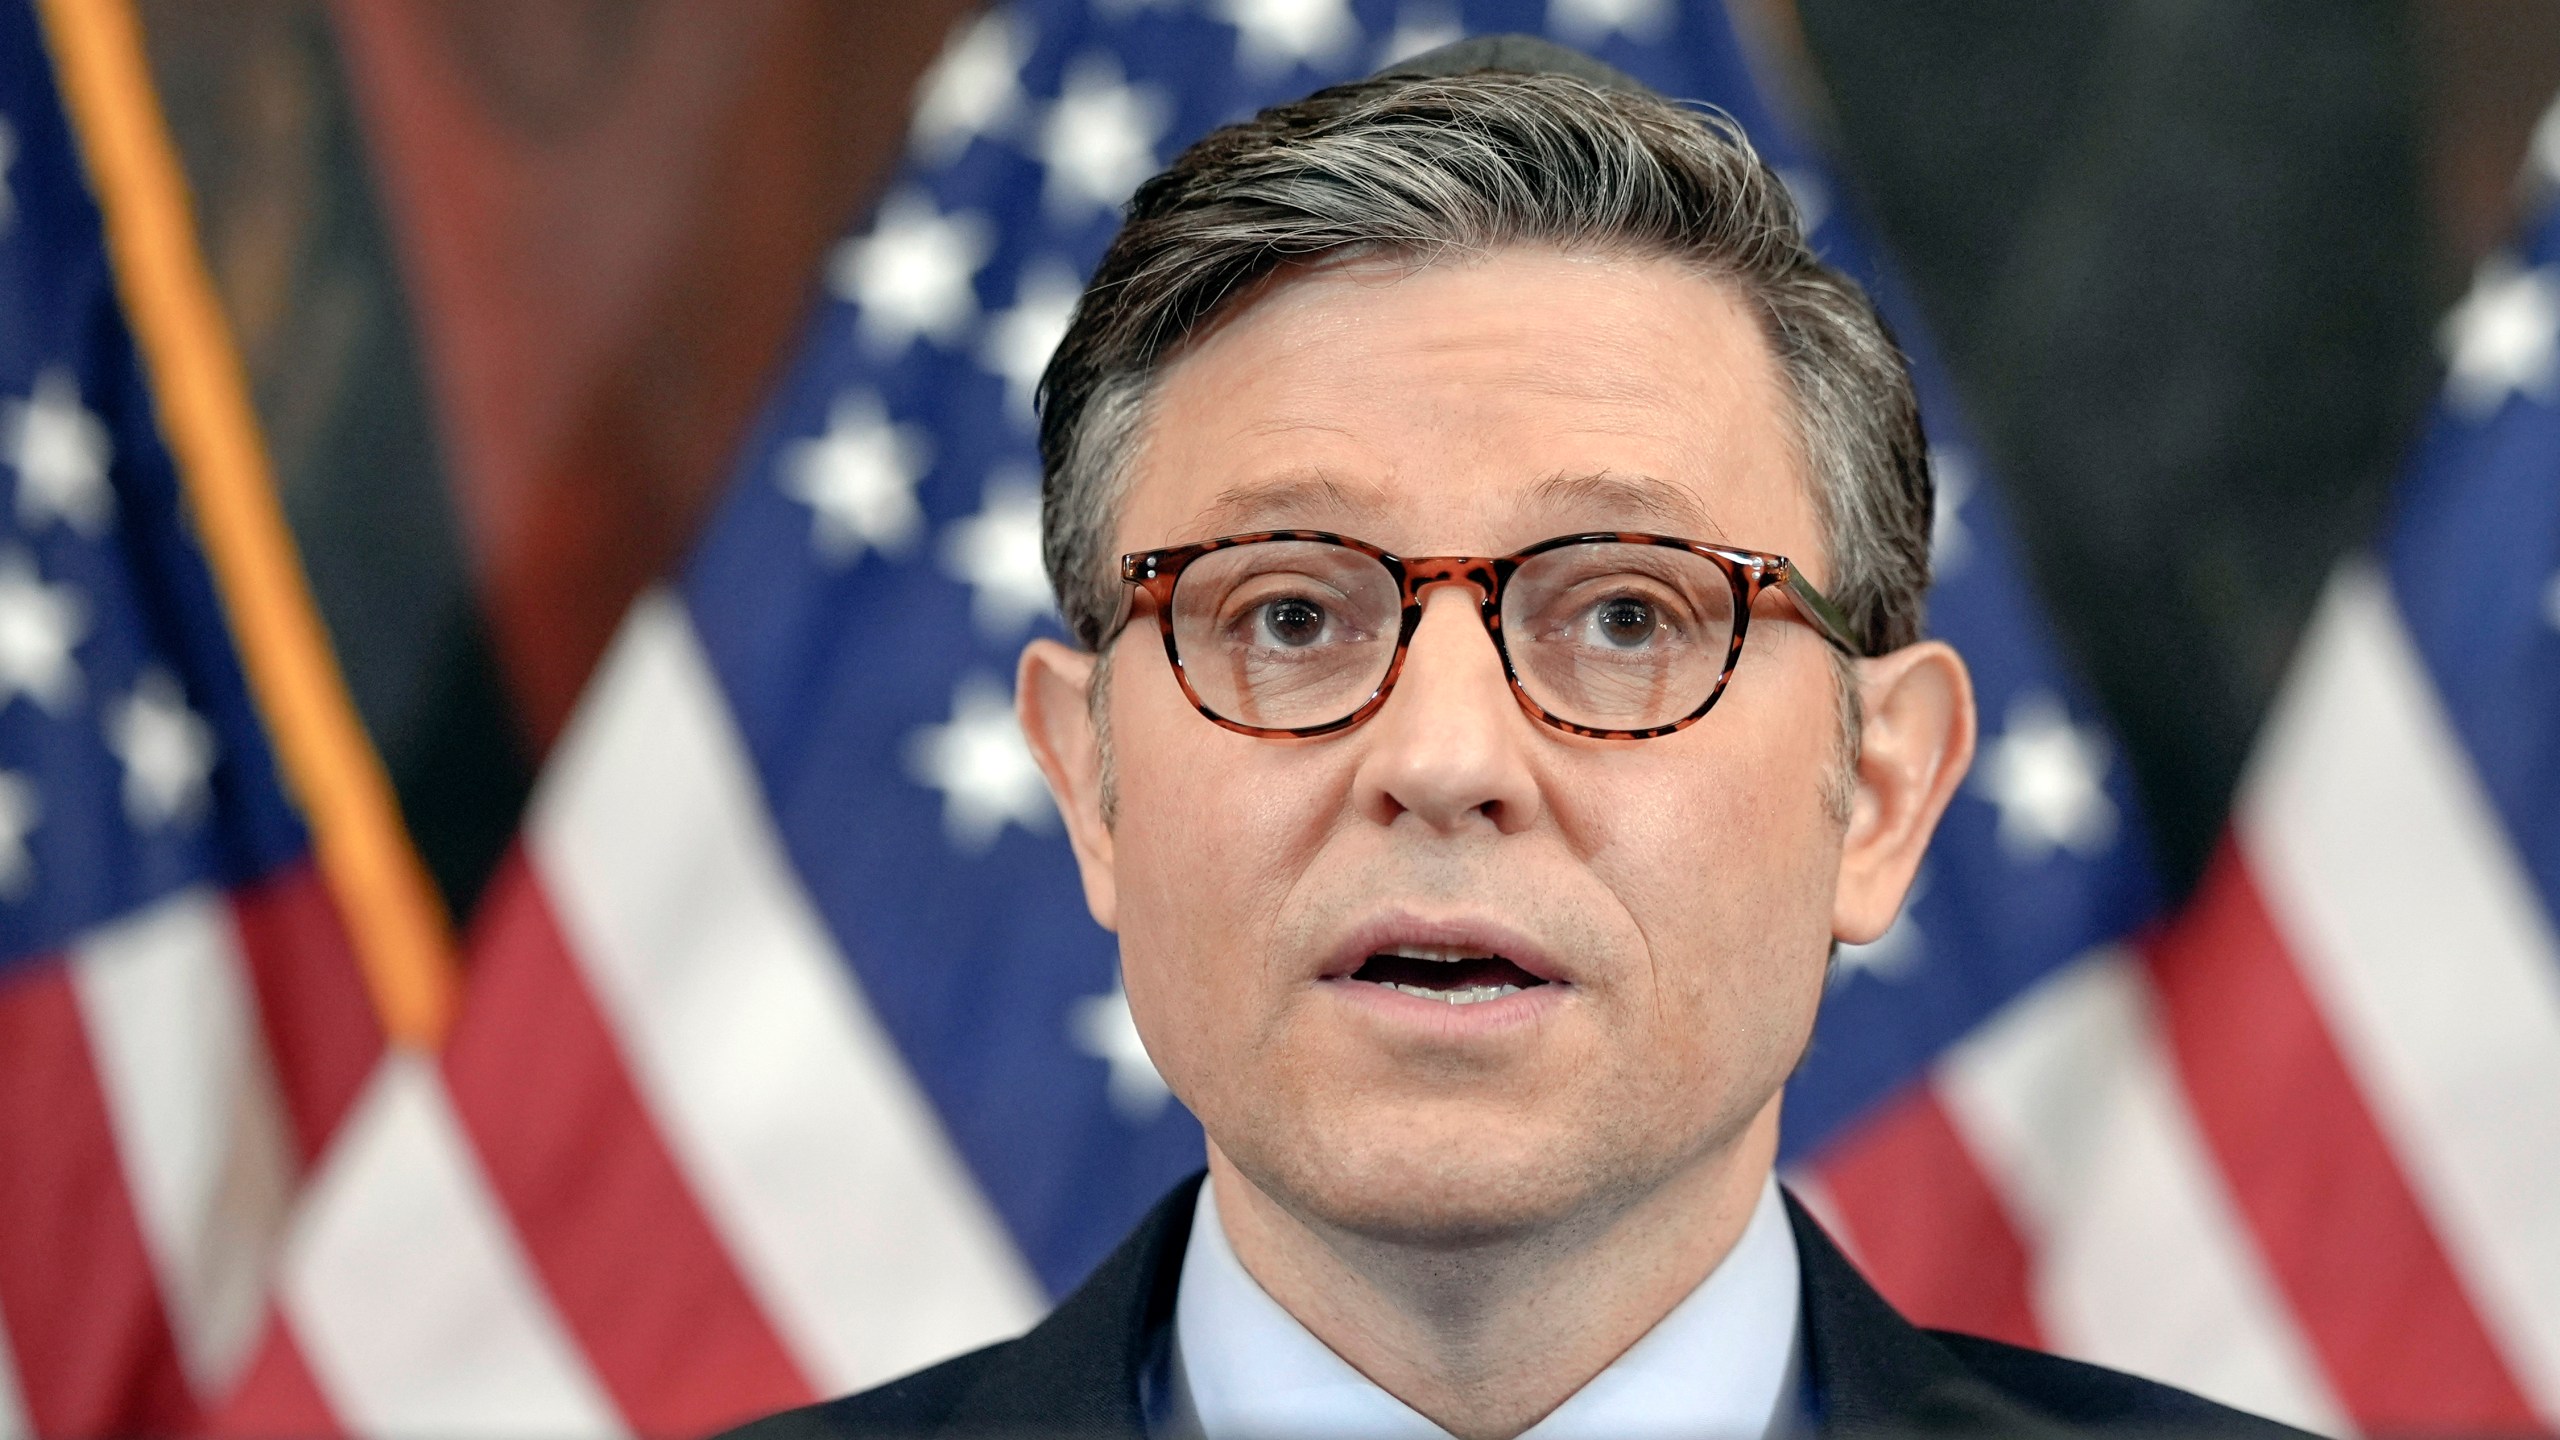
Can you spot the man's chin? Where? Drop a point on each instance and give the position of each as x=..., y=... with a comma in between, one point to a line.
x=1438, y=1181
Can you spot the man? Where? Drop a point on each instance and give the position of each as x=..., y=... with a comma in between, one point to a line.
x=1497, y=548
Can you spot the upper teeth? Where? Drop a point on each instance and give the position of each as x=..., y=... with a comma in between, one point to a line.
x=1443, y=953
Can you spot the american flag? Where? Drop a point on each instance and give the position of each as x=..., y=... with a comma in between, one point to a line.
x=2297, y=1147
x=790, y=1060
x=182, y=1023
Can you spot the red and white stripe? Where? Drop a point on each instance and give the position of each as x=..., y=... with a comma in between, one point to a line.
x=2298, y=1153
x=672, y=1167
x=406, y=1292
x=2048, y=1187
x=2140, y=1261
x=156, y=1110
x=2429, y=955
x=200, y=1127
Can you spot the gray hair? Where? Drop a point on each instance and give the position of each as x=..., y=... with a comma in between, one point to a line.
x=1459, y=166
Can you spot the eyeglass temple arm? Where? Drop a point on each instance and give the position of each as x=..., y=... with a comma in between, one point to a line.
x=1135, y=572
x=1817, y=607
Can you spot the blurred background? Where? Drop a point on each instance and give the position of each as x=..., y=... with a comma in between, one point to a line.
x=513, y=278
x=644, y=387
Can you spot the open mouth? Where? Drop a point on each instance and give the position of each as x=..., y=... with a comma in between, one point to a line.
x=1451, y=976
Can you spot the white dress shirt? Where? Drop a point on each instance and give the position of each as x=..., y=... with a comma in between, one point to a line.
x=1721, y=1366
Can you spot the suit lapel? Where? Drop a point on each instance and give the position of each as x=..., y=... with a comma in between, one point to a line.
x=1079, y=1371
x=1872, y=1373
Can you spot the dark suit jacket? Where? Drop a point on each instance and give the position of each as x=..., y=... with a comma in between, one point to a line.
x=1869, y=1371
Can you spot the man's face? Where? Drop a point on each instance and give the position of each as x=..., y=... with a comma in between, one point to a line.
x=1676, y=894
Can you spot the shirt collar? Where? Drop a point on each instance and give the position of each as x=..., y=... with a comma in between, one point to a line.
x=1722, y=1365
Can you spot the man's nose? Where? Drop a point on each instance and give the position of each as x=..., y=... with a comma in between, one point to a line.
x=1451, y=745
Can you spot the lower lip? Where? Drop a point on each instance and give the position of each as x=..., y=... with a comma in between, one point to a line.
x=1438, y=1018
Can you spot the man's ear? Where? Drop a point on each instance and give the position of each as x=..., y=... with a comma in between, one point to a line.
x=1052, y=696
x=1915, y=744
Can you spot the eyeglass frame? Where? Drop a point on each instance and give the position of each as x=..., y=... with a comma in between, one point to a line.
x=1751, y=573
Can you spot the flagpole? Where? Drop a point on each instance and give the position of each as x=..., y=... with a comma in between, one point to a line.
x=402, y=940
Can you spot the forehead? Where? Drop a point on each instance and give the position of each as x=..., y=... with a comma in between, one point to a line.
x=1481, y=403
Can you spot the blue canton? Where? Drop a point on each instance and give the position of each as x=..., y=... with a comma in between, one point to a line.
x=2473, y=550
x=131, y=762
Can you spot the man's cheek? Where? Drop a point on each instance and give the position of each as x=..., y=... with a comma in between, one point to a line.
x=1194, y=911
x=1205, y=877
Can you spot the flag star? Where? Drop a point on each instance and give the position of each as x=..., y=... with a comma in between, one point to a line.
x=167, y=752
x=1422, y=26
x=61, y=453
x=40, y=624
x=1100, y=1026
x=2551, y=601
x=2503, y=338
x=2047, y=776
x=914, y=274
x=1588, y=22
x=859, y=480
x=982, y=767
x=20, y=809
x=2543, y=155
x=1274, y=36
x=1019, y=342
x=996, y=552
x=974, y=88
x=1099, y=140
x=1950, y=542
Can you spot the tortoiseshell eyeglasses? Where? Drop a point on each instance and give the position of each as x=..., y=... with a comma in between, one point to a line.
x=1290, y=633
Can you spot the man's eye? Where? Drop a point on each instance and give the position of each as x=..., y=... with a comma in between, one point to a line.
x=1293, y=622
x=1624, y=622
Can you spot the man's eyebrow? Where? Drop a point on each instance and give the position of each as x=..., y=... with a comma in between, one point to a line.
x=1279, y=499
x=1624, y=499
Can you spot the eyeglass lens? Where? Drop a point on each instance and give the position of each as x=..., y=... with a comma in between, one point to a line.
x=1291, y=634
